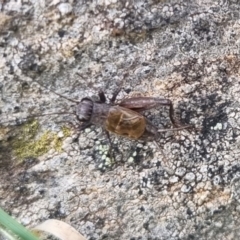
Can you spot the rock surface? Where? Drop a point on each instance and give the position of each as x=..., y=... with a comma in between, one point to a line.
x=187, y=51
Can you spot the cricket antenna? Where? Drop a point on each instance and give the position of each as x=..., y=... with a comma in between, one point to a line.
x=58, y=94
x=175, y=128
x=71, y=100
x=42, y=115
x=54, y=113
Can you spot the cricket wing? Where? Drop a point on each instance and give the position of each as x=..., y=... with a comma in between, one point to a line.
x=125, y=122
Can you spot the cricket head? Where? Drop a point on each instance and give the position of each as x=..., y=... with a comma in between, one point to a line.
x=84, y=110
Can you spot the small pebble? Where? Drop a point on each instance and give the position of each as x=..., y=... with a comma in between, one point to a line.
x=65, y=8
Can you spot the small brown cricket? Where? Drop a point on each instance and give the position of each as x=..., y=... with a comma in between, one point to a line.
x=125, y=118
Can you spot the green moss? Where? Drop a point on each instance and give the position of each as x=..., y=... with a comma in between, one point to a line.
x=27, y=143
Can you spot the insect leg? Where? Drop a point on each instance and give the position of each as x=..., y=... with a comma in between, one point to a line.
x=110, y=151
x=103, y=99
x=114, y=96
x=102, y=96
x=109, y=138
x=84, y=126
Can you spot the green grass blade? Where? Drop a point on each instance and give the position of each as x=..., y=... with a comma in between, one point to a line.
x=13, y=226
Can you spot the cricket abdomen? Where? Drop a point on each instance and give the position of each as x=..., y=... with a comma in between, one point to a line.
x=125, y=122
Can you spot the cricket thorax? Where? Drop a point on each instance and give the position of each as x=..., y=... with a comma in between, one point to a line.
x=100, y=114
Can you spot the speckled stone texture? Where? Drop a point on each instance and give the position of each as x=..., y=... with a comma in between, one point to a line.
x=184, y=187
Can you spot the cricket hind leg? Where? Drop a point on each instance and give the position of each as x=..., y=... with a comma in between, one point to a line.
x=152, y=132
x=165, y=163
x=140, y=104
